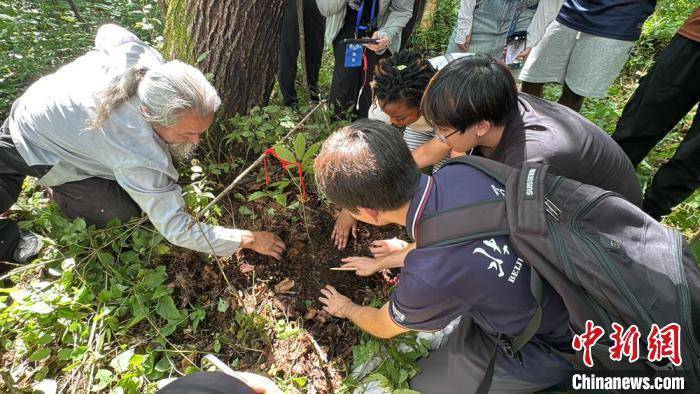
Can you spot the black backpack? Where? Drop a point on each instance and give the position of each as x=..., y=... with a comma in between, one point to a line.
x=607, y=259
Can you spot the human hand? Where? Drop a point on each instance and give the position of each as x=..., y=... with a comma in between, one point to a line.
x=386, y=247
x=465, y=46
x=345, y=224
x=263, y=242
x=364, y=266
x=381, y=45
x=335, y=303
x=523, y=55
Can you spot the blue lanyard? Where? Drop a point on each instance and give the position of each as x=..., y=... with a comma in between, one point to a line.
x=359, y=27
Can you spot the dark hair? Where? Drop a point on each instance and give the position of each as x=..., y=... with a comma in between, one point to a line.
x=469, y=90
x=402, y=77
x=367, y=164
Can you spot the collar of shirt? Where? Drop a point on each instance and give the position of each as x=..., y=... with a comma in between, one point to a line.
x=421, y=125
x=418, y=203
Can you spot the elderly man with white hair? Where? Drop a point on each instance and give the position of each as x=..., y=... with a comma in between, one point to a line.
x=101, y=133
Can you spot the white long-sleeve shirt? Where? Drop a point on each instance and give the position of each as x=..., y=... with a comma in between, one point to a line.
x=49, y=126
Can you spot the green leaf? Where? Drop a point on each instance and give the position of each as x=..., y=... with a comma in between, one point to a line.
x=196, y=317
x=300, y=381
x=138, y=316
x=311, y=153
x=169, y=329
x=105, y=258
x=223, y=305
x=65, y=354
x=284, y=153
x=121, y=362
x=40, y=354
x=154, y=279
x=104, y=378
x=161, y=291
x=217, y=346
x=257, y=195
x=164, y=364
x=44, y=339
x=137, y=360
x=167, y=310
x=281, y=199
x=299, y=146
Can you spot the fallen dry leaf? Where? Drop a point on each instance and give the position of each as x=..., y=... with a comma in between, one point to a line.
x=285, y=285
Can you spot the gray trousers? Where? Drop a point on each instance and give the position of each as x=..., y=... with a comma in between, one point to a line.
x=97, y=200
x=458, y=366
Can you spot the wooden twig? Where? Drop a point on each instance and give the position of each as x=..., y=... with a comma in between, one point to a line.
x=245, y=172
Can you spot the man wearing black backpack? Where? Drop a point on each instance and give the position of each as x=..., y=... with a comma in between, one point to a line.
x=480, y=228
x=367, y=169
x=474, y=106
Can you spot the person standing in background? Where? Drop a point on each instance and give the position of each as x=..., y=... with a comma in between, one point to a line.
x=354, y=65
x=314, y=26
x=483, y=26
x=585, y=48
x=665, y=95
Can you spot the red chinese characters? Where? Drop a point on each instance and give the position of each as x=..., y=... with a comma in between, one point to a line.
x=626, y=343
x=665, y=343
x=662, y=343
x=587, y=340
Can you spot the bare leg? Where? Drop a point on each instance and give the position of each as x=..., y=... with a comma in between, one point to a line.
x=532, y=88
x=571, y=99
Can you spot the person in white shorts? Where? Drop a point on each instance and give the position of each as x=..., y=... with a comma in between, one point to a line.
x=585, y=48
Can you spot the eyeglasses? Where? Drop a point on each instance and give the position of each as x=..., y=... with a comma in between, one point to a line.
x=443, y=138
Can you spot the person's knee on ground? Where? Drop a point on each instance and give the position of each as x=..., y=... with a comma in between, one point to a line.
x=96, y=200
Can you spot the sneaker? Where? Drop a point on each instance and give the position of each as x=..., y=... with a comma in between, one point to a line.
x=28, y=247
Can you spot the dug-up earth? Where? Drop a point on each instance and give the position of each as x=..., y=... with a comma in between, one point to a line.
x=307, y=343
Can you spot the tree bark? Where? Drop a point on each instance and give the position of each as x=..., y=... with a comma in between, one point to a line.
x=431, y=7
x=163, y=5
x=236, y=41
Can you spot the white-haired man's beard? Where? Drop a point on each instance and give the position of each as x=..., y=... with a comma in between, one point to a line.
x=182, y=150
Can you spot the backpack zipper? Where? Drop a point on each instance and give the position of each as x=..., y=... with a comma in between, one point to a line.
x=683, y=295
x=612, y=272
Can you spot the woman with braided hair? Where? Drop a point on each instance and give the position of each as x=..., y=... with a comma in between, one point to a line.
x=398, y=85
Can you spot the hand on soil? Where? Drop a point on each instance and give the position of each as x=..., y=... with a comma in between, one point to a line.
x=265, y=243
x=335, y=303
x=364, y=266
x=344, y=225
x=386, y=247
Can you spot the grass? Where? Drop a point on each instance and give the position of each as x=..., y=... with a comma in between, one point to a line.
x=97, y=311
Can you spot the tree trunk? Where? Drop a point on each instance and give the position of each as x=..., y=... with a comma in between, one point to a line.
x=236, y=41
x=431, y=7
x=163, y=5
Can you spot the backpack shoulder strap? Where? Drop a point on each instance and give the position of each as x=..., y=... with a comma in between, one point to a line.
x=474, y=221
x=522, y=209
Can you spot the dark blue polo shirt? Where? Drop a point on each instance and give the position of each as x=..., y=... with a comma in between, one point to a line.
x=617, y=19
x=483, y=278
